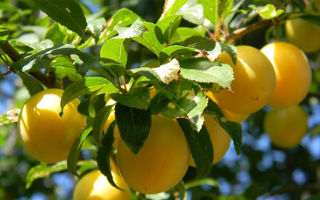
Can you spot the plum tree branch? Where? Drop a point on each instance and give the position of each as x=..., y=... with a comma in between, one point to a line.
x=293, y=187
x=14, y=56
x=238, y=33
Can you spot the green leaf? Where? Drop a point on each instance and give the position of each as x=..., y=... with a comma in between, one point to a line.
x=135, y=30
x=202, y=70
x=166, y=73
x=99, y=122
x=268, y=11
x=171, y=7
x=104, y=152
x=183, y=33
x=55, y=34
x=33, y=85
x=43, y=170
x=96, y=26
x=211, y=11
x=168, y=26
x=192, y=12
x=86, y=86
x=121, y=18
x=189, y=102
x=175, y=50
x=134, y=126
x=200, y=146
x=4, y=34
x=151, y=39
x=135, y=98
x=66, y=12
x=75, y=150
x=200, y=43
x=43, y=59
x=116, y=50
x=63, y=67
x=232, y=128
x=314, y=19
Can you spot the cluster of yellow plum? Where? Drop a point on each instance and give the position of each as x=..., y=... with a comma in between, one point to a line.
x=278, y=75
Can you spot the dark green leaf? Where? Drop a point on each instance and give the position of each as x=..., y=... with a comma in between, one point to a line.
x=99, y=122
x=43, y=59
x=66, y=12
x=75, y=150
x=232, y=128
x=86, y=86
x=175, y=50
x=314, y=19
x=104, y=152
x=199, y=142
x=33, y=85
x=189, y=102
x=134, y=126
x=135, y=98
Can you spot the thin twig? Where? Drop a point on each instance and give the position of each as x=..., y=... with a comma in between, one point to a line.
x=4, y=74
x=245, y=30
x=124, y=84
x=10, y=51
x=293, y=187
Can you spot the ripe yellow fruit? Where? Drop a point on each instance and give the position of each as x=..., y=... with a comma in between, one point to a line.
x=45, y=135
x=95, y=186
x=162, y=161
x=253, y=84
x=230, y=116
x=303, y=34
x=286, y=127
x=293, y=74
x=220, y=139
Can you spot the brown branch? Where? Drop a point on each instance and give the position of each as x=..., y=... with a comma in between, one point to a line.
x=312, y=94
x=14, y=56
x=10, y=51
x=245, y=30
x=293, y=187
